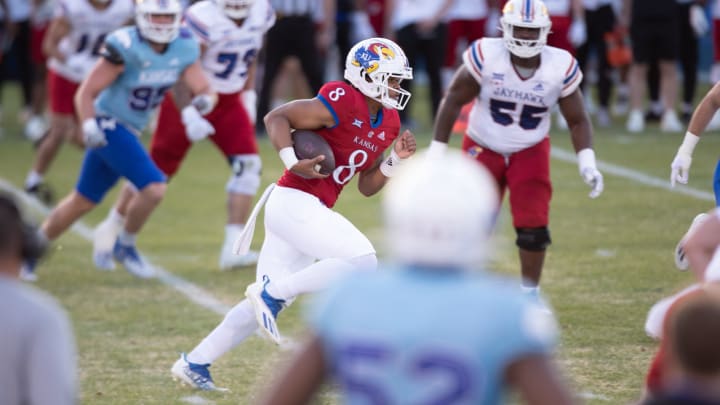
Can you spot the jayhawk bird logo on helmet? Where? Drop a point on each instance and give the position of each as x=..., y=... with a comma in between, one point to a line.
x=368, y=57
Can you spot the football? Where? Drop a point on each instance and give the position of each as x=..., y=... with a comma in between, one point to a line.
x=308, y=144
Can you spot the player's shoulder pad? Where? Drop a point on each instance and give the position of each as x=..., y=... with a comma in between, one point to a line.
x=337, y=92
x=262, y=16
x=65, y=9
x=119, y=45
x=557, y=57
x=337, y=97
x=202, y=12
x=565, y=66
x=186, y=46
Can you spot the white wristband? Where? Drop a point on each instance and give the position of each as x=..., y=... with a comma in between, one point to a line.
x=189, y=114
x=389, y=166
x=287, y=155
x=688, y=145
x=586, y=158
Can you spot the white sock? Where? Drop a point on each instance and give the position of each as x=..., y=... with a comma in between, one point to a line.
x=115, y=217
x=33, y=178
x=237, y=325
x=233, y=231
x=529, y=289
x=313, y=278
x=126, y=238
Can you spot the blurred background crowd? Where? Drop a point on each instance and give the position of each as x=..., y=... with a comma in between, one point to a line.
x=627, y=75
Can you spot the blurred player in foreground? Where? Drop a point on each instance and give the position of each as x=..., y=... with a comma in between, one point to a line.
x=230, y=33
x=517, y=80
x=686, y=367
x=114, y=103
x=399, y=335
x=38, y=359
x=308, y=244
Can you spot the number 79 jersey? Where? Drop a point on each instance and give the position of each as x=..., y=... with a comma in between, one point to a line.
x=230, y=49
x=512, y=113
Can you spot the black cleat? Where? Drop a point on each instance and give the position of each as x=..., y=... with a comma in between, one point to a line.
x=42, y=192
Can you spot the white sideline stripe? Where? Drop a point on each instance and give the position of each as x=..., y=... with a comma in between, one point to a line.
x=192, y=291
x=624, y=172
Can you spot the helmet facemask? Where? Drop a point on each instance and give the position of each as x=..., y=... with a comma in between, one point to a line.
x=147, y=13
x=525, y=14
x=235, y=9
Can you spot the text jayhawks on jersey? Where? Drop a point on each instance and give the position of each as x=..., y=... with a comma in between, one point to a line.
x=518, y=95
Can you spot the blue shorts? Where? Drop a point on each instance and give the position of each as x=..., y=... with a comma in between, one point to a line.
x=123, y=155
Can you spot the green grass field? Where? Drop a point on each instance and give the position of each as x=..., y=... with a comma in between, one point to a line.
x=611, y=259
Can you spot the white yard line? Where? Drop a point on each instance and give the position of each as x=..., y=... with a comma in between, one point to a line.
x=636, y=176
x=192, y=291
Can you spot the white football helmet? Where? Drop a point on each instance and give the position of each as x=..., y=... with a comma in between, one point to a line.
x=440, y=211
x=528, y=14
x=369, y=65
x=235, y=9
x=155, y=31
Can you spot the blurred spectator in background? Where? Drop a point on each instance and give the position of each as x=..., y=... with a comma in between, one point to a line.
x=599, y=20
x=420, y=28
x=38, y=364
x=653, y=22
x=296, y=33
x=16, y=60
x=352, y=25
x=42, y=12
x=692, y=25
x=425, y=350
x=569, y=32
x=468, y=20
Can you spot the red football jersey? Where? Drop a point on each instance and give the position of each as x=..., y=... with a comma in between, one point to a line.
x=355, y=141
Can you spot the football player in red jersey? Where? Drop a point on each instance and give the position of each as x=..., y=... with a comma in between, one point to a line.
x=307, y=244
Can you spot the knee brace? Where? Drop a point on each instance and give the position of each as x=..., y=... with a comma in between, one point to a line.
x=533, y=239
x=245, y=177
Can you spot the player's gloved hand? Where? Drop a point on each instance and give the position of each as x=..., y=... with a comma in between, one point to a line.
x=93, y=136
x=698, y=20
x=196, y=127
x=680, y=166
x=577, y=34
x=589, y=172
x=249, y=99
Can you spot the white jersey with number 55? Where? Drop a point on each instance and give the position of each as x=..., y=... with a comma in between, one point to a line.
x=229, y=49
x=512, y=113
x=88, y=28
